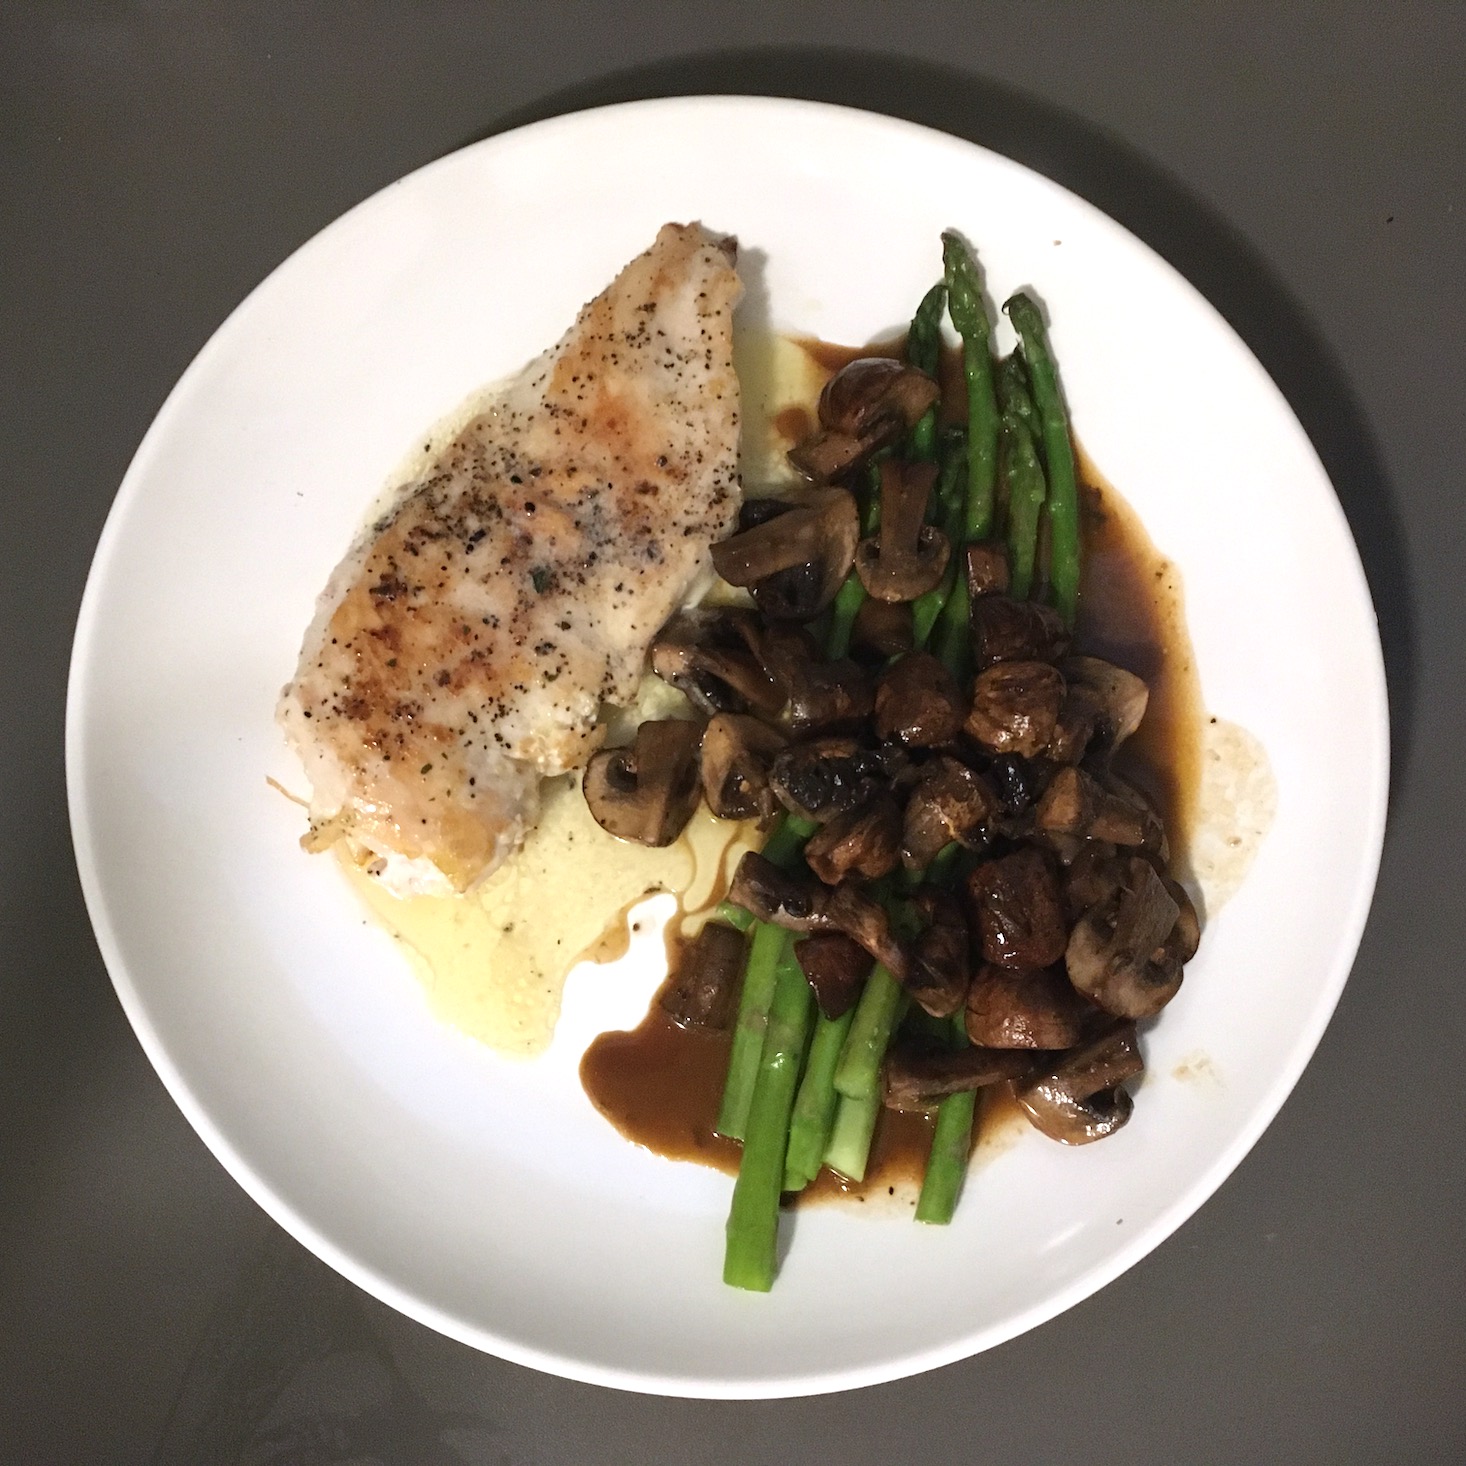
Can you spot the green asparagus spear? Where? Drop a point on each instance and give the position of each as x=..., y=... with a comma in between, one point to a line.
x=851, y=595
x=1061, y=510
x=855, y=1124
x=926, y=609
x=857, y=1075
x=924, y=351
x=769, y=946
x=969, y=316
x=814, y=1109
x=1026, y=492
x=946, y=1166
x=1014, y=397
x=753, y=1219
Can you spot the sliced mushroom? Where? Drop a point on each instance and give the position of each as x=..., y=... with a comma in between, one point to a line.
x=647, y=791
x=1075, y=803
x=1015, y=706
x=1090, y=877
x=939, y=963
x=948, y=802
x=876, y=395
x=906, y=557
x=794, y=562
x=796, y=903
x=824, y=777
x=1025, y=1009
x=1006, y=630
x=702, y=986
x=862, y=842
x=862, y=917
x=1117, y=954
x=827, y=695
x=735, y=757
x=917, y=702
x=1185, y=936
x=708, y=655
x=799, y=903
x=919, y=1074
x=1079, y=1099
x=987, y=570
x=882, y=629
x=836, y=967
x=819, y=695
x=825, y=456
x=1120, y=697
x=1077, y=723
x=868, y=403
x=1019, y=910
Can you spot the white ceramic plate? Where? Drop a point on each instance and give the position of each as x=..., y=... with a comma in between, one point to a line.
x=485, y=1197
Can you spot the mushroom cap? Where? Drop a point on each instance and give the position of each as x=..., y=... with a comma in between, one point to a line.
x=734, y=763
x=646, y=791
x=917, y=702
x=1120, y=696
x=1078, y=1098
x=876, y=396
x=1025, y=1009
x=795, y=562
x=864, y=842
x=709, y=655
x=1015, y=707
x=1117, y=954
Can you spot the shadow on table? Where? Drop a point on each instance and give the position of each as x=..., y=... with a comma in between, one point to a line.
x=1132, y=189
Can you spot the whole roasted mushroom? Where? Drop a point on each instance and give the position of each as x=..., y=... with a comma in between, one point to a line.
x=948, y=802
x=1025, y=1009
x=861, y=842
x=1079, y=1098
x=906, y=556
x=917, y=702
x=794, y=562
x=1120, y=954
x=1019, y=910
x=646, y=792
x=734, y=763
x=824, y=777
x=1015, y=707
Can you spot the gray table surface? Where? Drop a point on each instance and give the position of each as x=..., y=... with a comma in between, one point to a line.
x=1303, y=165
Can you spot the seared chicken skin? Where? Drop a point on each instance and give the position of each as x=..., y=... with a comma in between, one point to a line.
x=465, y=645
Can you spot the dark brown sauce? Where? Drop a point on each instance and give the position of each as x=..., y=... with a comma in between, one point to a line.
x=660, y=1085
x=794, y=424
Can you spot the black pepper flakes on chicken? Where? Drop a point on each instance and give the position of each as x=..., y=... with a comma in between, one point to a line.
x=464, y=646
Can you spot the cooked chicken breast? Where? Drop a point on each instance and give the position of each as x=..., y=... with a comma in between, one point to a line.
x=465, y=645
